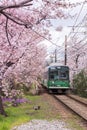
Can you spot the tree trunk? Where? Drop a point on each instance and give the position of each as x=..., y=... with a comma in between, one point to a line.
x=2, y=111
x=2, y=71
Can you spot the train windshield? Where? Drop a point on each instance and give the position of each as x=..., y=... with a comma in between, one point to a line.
x=53, y=73
x=58, y=73
x=64, y=75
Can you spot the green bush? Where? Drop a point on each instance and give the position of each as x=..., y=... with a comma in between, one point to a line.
x=80, y=83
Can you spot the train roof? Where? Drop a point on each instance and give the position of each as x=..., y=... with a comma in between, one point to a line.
x=56, y=64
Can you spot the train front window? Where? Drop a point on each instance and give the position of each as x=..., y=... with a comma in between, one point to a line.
x=59, y=73
x=53, y=74
x=64, y=75
x=51, y=77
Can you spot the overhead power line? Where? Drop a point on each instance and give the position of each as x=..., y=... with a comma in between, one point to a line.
x=79, y=42
x=76, y=19
x=45, y=38
x=78, y=50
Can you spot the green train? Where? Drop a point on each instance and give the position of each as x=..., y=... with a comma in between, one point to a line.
x=56, y=79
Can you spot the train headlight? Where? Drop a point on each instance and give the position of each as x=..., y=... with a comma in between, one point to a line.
x=52, y=82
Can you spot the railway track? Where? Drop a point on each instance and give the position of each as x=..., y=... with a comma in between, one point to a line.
x=78, y=99
x=75, y=104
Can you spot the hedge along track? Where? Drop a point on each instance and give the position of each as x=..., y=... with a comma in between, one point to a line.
x=76, y=106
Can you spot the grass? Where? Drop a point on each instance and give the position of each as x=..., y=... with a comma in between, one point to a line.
x=25, y=112
x=16, y=116
x=74, y=123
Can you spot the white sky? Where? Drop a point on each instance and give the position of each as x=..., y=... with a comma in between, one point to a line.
x=59, y=37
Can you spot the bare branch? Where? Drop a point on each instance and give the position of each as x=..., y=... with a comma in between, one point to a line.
x=39, y=20
x=8, y=64
x=25, y=2
x=1, y=23
x=6, y=28
x=14, y=19
x=22, y=4
x=7, y=60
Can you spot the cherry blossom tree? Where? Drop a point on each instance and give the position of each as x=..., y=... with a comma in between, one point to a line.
x=19, y=54
x=77, y=55
x=23, y=24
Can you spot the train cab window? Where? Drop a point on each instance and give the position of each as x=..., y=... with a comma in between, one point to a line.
x=64, y=75
x=51, y=77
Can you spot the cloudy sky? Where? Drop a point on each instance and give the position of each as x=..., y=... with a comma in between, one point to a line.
x=58, y=37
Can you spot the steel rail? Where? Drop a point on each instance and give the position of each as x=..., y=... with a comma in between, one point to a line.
x=75, y=109
x=78, y=100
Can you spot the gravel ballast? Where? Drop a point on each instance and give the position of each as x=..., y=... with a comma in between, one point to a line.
x=43, y=125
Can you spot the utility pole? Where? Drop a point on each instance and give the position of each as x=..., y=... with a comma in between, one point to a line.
x=55, y=55
x=65, y=62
